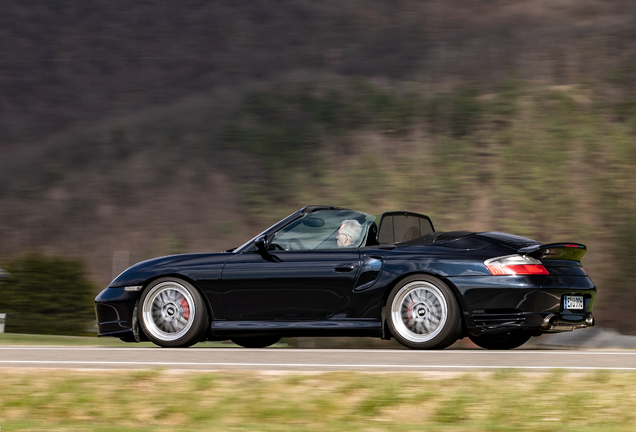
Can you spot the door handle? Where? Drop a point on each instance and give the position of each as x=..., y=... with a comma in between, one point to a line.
x=344, y=268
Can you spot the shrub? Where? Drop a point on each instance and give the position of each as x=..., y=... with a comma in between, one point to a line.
x=46, y=295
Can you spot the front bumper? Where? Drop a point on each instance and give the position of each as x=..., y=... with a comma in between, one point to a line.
x=114, y=310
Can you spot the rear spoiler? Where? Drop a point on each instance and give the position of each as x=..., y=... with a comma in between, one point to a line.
x=555, y=251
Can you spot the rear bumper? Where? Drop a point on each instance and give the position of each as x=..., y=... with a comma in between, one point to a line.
x=537, y=322
x=495, y=304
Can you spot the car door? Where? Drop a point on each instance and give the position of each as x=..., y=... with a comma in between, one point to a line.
x=303, y=273
x=288, y=284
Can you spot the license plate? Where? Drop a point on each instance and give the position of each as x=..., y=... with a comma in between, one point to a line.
x=573, y=302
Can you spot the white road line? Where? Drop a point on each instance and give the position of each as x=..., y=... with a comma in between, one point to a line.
x=315, y=350
x=306, y=365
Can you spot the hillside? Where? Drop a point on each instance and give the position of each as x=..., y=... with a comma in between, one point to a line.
x=71, y=63
x=131, y=131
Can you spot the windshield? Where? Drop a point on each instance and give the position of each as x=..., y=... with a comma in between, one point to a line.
x=250, y=243
x=323, y=229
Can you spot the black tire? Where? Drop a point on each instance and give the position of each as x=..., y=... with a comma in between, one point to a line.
x=172, y=313
x=501, y=341
x=255, y=341
x=422, y=313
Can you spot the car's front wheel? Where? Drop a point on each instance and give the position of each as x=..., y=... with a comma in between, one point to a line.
x=423, y=313
x=172, y=313
x=501, y=341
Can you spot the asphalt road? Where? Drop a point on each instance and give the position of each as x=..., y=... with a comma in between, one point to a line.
x=283, y=359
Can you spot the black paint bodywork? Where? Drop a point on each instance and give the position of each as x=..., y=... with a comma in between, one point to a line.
x=343, y=292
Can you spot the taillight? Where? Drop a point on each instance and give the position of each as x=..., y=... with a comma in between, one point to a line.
x=515, y=265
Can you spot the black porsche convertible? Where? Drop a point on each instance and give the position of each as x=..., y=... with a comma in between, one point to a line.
x=329, y=271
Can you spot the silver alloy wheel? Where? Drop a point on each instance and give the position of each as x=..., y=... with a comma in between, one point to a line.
x=419, y=311
x=168, y=311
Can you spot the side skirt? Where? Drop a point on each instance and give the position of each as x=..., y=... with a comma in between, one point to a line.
x=322, y=328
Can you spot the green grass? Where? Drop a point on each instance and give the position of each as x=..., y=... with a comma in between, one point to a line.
x=234, y=401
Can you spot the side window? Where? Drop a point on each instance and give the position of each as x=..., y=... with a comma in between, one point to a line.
x=398, y=227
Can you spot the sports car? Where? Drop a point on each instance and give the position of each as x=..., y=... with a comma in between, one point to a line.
x=329, y=271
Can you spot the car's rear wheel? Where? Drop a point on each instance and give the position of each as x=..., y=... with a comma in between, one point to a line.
x=501, y=341
x=256, y=341
x=172, y=313
x=423, y=313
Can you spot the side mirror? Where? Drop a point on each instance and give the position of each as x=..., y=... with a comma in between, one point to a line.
x=262, y=244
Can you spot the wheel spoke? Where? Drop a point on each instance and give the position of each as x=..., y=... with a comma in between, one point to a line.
x=425, y=327
x=161, y=324
x=434, y=320
x=162, y=298
x=421, y=296
x=421, y=327
x=409, y=299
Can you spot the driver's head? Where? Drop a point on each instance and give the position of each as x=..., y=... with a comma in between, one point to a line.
x=349, y=233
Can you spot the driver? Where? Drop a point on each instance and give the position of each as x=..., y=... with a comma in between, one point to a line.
x=349, y=233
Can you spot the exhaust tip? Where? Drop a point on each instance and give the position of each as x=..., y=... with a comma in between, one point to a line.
x=549, y=321
x=590, y=321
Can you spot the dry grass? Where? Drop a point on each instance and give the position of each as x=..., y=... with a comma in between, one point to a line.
x=149, y=400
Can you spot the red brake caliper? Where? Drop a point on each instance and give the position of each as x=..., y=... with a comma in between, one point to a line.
x=186, y=309
x=410, y=312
